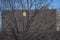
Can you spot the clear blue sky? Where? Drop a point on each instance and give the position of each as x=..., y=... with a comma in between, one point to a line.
x=55, y=4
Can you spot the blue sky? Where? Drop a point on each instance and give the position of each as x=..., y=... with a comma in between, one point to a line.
x=55, y=4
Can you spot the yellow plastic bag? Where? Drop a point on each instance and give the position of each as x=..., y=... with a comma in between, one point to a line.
x=24, y=13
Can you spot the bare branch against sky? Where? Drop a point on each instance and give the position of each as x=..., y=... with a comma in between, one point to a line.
x=24, y=4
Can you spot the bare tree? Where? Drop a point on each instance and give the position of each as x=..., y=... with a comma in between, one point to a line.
x=24, y=5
